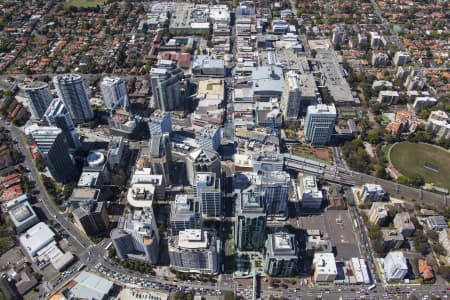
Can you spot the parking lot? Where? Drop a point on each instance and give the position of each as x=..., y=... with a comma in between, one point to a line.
x=337, y=226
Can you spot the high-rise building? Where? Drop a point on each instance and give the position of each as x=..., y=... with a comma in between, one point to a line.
x=160, y=123
x=194, y=251
x=114, y=92
x=184, y=213
x=166, y=86
x=291, y=105
x=395, y=266
x=55, y=151
x=250, y=225
x=73, y=92
x=378, y=213
x=39, y=97
x=57, y=115
x=202, y=160
x=136, y=236
x=207, y=188
x=210, y=137
x=160, y=157
x=92, y=218
x=274, y=187
x=319, y=123
x=281, y=257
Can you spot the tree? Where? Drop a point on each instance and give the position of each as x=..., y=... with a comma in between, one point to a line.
x=417, y=180
x=373, y=137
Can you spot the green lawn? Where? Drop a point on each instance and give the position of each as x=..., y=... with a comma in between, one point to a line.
x=85, y=3
x=410, y=158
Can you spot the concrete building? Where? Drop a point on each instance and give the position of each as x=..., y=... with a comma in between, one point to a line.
x=424, y=102
x=437, y=223
x=324, y=265
x=92, y=218
x=375, y=40
x=166, y=87
x=267, y=162
x=280, y=26
x=403, y=223
x=439, y=124
x=39, y=97
x=136, y=236
x=380, y=59
x=36, y=238
x=372, y=192
x=185, y=213
x=395, y=266
x=82, y=196
x=72, y=91
x=96, y=161
x=194, y=251
x=444, y=239
x=144, y=175
x=54, y=150
x=22, y=215
x=388, y=97
x=203, y=65
x=208, y=191
x=378, y=213
x=123, y=123
x=202, y=160
x=281, y=256
x=115, y=151
x=360, y=271
x=160, y=123
x=250, y=224
x=319, y=123
x=87, y=286
x=339, y=35
x=267, y=82
x=401, y=58
x=57, y=115
x=292, y=96
x=114, y=93
x=308, y=192
x=141, y=195
x=392, y=239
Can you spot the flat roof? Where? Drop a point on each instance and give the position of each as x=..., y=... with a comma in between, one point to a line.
x=193, y=239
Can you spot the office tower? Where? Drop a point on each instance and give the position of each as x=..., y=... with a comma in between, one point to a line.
x=39, y=97
x=281, y=257
x=57, y=115
x=136, y=236
x=250, y=225
x=207, y=188
x=210, y=137
x=92, y=218
x=73, y=92
x=184, y=213
x=114, y=93
x=55, y=151
x=202, y=160
x=274, y=187
x=160, y=158
x=160, y=122
x=166, y=86
x=292, y=96
x=319, y=123
x=194, y=251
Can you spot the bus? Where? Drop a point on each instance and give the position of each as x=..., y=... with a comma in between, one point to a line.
x=371, y=287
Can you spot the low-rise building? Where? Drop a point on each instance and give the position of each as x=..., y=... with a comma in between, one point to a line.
x=324, y=266
x=437, y=223
x=21, y=214
x=372, y=192
x=204, y=65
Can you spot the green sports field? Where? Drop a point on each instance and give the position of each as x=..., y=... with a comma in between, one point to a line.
x=84, y=3
x=431, y=162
